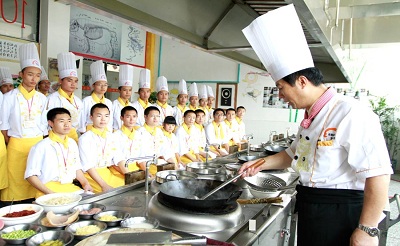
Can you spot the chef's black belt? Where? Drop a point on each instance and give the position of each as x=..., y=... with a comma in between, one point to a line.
x=327, y=216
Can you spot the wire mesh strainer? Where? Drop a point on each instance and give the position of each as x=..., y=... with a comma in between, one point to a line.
x=265, y=182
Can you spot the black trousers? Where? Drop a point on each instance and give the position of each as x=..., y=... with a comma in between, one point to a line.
x=327, y=216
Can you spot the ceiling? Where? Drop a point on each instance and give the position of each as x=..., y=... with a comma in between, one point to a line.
x=331, y=27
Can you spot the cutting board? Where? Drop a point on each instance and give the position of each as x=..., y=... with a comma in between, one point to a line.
x=102, y=238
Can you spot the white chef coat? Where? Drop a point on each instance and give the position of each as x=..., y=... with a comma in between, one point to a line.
x=178, y=114
x=154, y=145
x=211, y=136
x=188, y=142
x=97, y=152
x=232, y=130
x=15, y=112
x=164, y=112
x=241, y=128
x=1, y=102
x=200, y=135
x=348, y=143
x=129, y=148
x=140, y=112
x=55, y=100
x=116, y=108
x=50, y=161
x=173, y=146
x=85, y=120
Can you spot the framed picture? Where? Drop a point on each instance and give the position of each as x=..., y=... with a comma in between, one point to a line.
x=226, y=95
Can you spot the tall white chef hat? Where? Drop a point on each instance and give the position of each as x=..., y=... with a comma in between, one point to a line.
x=29, y=56
x=278, y=40
x=67, y=65
x=125, y=75
x=210, y=92
x=182, y=87
x=5, y=76
x=193, y=90
x=43, y=76
x=97, y=71
x=203, y=92
x=144, y=79
x=162, y=84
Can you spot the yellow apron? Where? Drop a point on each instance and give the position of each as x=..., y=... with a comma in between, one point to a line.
x=73, y=134
x=3, y=163
x=186, y=160
x=17, y=155
x=58, y=187
x=209, y=157
x=108, y=177
x=131, y=167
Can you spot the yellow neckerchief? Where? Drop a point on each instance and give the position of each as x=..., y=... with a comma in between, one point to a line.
x=122, y=102
x=167, y=134
x=186, y=128
x=151, y=130
x=220, y=134
x=192, y=108
x=200, y=127
x=99, y=133
x=144, y=104
x=164, y=106
x=27, y=95
x=54, y=137
x=209, y=108
x=65, y=95
x=228, y=123
x=127, y=132
x=96, y=99
x=204, y=109
x=181, y=108
x=238, y=120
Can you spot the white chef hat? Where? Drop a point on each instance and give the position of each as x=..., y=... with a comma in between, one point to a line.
x=97, y=71
x=278, y=40
x=67, y=65
x=182, y=87
x=5, y=76
x=43, y=76
x=203, y=92
x=144, y=79
x=125, y=75
x=210, y=92
x=162, y=84
x=29, y=56
x=193, y=90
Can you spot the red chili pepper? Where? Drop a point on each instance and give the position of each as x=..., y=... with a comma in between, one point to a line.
x=19, y=213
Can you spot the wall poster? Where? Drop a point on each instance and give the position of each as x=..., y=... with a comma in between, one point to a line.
x=226, y=95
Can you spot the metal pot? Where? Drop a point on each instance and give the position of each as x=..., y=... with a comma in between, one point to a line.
x=204, y=168
x=182, y=194
x=169, y=175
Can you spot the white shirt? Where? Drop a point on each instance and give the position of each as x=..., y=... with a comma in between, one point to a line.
x=164, y=112
x=116, y=108
x=212, y=137
x=178, y=114
x=200, y=136
x=15, y=116
x=153, y=145
x=241, y=129
x=50, y=161
x=97, y=152
x=129, y=148
x=173, y=146
x=232, y=131
x=1, y=102
x=188, y=142
x=140, y=112
x=350, y=147
x=85, y=120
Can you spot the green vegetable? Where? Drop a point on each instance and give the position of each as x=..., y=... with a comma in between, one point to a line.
x=18, y=234
x=52, y=243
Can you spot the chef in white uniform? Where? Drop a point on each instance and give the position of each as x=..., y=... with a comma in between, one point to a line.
x=44, y=84
x=210, y=103
x=203, y=100
x=339, y=152
x=125, y=82
x=193, y=97
x=144, y=94
x=181, y=107
x=162, y=98
x=6, y=81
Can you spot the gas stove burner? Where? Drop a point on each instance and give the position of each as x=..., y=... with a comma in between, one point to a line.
x=193, y=222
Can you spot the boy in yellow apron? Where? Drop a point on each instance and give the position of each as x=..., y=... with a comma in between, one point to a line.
x=216, y=133
x=201, y=137
x=22, y=125
x=182, y=98
x=98, y=151
x=144, y=94
x=54, y=162
x=125, y=82
x=162, y=99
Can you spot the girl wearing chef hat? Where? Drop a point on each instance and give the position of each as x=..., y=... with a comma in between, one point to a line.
x=193, y=97
x=64, y=97
x=181, y=107
x=125, y=92
x=99, y=84
x=162, y=98
x=22, y=124
x=144, y=94
x=6, y=81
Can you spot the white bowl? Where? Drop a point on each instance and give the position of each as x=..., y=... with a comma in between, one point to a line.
x=62, y=208
x=20, y=220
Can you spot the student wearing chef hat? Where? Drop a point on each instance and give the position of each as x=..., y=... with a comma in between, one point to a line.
x=339, y=153
x=193, y=97
x=203, y=99
x=44, y=84
x=99, y=84
x=6, y=81
x=162, y=98
x=3, y=157
x=64, y=97
x=144, y=94
x=21, y=124
x=125, y=92
x=181, y=107
x=210, y=103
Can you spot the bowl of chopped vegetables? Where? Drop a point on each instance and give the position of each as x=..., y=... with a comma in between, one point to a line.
x=86, y=228
x=58, y=202
x=17, y=234
x=111, y=217
x=20, y=214
x=51, y=238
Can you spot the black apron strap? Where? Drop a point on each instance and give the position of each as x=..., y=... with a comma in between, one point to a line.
x=327, y=216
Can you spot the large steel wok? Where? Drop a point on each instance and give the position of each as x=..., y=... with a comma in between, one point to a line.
x=184, y=194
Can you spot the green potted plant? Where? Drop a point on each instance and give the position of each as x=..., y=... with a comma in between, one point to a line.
x=390, y=126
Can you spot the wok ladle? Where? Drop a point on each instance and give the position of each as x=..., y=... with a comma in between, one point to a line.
x=255, y=165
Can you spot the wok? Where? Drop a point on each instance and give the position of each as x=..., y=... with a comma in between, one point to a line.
x=204, y=168
x=274, y=149
x=181, y=194
x=246, y=158
x=168, y=175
